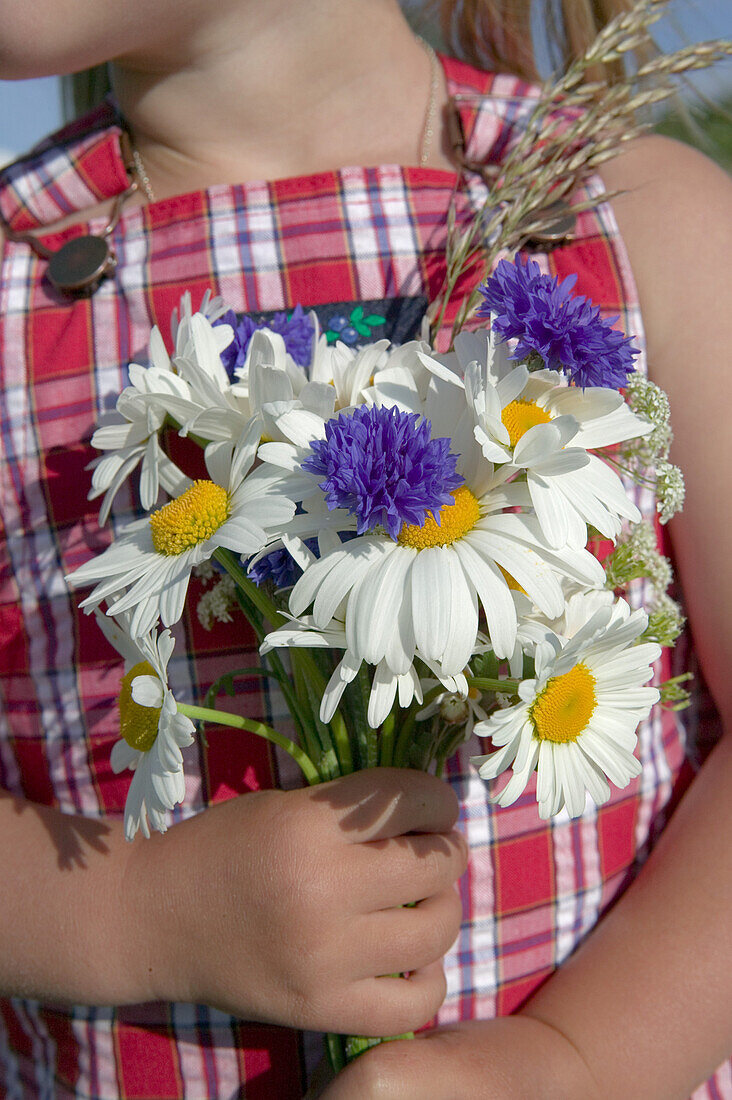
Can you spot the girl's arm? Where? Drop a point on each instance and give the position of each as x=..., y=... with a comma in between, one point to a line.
x=643, y=1010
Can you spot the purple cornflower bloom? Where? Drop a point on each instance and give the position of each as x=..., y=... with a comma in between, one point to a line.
x=563, y=329
x=296, y=330
x=384, y=468
x=278, y=566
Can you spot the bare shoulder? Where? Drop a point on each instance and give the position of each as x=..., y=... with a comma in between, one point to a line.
x=661, y=161
x=675, y=214
x=664, y=180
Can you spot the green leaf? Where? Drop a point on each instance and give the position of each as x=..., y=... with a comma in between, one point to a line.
x=331, y=337
x=374, y=319
x=357, y=315
x=364, y=330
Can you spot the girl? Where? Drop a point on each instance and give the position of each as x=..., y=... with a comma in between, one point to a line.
x=189, y=935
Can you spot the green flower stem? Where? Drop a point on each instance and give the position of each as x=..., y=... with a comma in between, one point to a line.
x=287, y=690
x=315, y=745
x=359, y=1044
x=387, y=741
x=484, y=683
x=334, y=1048
x=372, y=748
x=356, y=695
x=446, y=747
x=255, y=594
x=342, y=743
x=440, y=761
x=403, y=741
x=328, y=763
x=224, y=718
x=338, y=727
x=317, y=735
x=267, y=608
x=367, y=738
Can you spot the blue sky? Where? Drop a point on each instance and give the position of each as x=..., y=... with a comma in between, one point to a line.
x=31, y=108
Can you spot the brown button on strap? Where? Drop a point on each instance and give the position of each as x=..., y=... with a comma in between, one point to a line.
x=79, y=265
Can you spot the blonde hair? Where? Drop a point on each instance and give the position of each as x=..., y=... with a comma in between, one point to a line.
x=504, y=35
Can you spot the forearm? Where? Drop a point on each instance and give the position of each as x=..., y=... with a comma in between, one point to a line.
x=67, y=928
x=647, y=1001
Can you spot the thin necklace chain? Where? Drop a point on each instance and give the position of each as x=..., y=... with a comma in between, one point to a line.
x=143, y=176
x=429, y=118
x=428, y=130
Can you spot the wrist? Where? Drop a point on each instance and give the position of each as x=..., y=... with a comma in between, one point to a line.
x=567, y=1072
x=155, y=942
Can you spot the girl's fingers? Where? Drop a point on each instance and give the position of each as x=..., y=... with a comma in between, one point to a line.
x=397, y=941
x=398, y=1005
x=406, y=869
x=380, y=803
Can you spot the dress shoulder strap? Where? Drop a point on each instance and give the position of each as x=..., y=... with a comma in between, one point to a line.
x=74, y=168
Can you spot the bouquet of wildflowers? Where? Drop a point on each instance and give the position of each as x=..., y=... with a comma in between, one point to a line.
x=429, y=547
x=415, y=538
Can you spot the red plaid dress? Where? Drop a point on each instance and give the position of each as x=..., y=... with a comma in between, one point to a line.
x=534, y=889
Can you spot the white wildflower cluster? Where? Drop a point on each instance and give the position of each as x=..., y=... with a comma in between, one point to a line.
x=636, y=555
x=648, y=400
x=670, y=489
x=205, y=572
x=216, y=605
x=665, y=621
x=646, y=457
x=674, y=696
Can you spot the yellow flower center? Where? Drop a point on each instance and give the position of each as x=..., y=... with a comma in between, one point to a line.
x=455, y=520
x=562, y=710
x=189, y=519
x=138, y=725
x=519, y=416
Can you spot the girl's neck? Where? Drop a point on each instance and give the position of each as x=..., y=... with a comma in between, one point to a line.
x=286, y=88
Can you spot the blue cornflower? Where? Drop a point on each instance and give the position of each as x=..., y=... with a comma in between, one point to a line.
x=279, y=567
x=384, y=468
x=296, y=330
x=563, y=329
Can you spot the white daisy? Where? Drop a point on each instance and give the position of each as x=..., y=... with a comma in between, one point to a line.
x=416, y=589
x=577, y=719
x=274, y=383
x=152, y=731
x=129, y=437
x=214, y=409
x=528, y=422
x=147, y=569
x=386, y=685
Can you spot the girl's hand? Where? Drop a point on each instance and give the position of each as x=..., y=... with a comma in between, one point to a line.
x=515, y=1058
x=286, y=906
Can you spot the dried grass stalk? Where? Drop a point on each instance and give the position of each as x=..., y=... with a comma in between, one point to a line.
x=574, y=128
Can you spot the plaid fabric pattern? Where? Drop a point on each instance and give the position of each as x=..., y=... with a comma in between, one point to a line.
x=533, y=889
